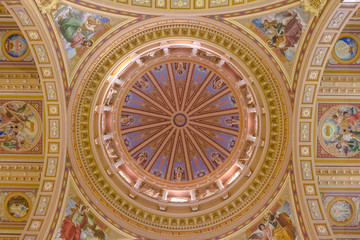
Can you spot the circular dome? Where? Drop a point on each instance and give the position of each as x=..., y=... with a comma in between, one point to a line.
x=130, y=194
x=175, y=121
x=180, y=121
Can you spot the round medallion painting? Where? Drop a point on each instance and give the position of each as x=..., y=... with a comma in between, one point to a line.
x=339, y=132
x=19, y=126
x=346, y=50
x=341, y=211
x=14, y=46
x=17, y=206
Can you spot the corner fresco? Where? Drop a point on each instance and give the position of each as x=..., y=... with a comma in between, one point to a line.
x=338, y=130
x=20, y=126
x=80, y=223
x=79, y=30
x=277, y=224
x=280, y=31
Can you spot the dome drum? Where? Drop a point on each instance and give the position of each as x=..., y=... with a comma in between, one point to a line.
x=147, y=87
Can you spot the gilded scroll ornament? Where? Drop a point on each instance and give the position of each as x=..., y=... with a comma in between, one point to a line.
x=314, y=7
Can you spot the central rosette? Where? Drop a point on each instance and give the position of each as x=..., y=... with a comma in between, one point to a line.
x=180, y=121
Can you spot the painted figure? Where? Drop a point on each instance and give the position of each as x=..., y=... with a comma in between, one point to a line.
x=78, y=29
x=73, y=223
x=92, y=233
x=141, y=158
x=143, y=83
x=285, y=33
x=217, y=84
x=232, y=121
x=180, y=68
x=282, y=226
x=216, y=158
x=265, y=231
x=18, y=126
x=71, y=30
x=179, y=173
x=341, y=130
x=127, y=120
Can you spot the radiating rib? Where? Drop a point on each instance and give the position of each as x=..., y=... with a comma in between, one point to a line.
x=145, y=113
x=149, y=140
x=197, y=94
x=227, y=112
x=216, y=128
x=159, y=150
x=210, y=100
x=187, y=160
x=172, y=157
x=143, y=127
x=159, y=89
x=216, y=145
x=150, y=100
x=173, y=86
x=199, y=150
x=187, y=83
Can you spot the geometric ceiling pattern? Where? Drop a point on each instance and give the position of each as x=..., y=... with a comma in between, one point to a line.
x=179, y=119
x=193, y=125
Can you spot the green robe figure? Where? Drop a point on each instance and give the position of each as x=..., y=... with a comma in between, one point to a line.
x=71, y=30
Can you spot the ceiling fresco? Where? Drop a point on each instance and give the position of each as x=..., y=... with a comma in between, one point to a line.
x=179, y=119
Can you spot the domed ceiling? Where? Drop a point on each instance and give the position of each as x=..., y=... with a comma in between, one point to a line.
x=180, y=121
x=178, y=133
x=186, y=127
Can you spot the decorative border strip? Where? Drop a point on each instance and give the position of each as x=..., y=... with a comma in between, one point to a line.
x=304, y=157
x=26, y=16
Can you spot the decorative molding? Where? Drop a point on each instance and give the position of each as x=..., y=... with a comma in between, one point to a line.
x=314, y=7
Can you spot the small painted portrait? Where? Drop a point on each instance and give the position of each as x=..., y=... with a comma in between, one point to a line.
x=341, y=210
x=17, y=206
x=180, y=68
x=142, y=158
x=216, y=158
x=346, y=49
x=179, y=173
x=14, y=46
x=20, y=126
